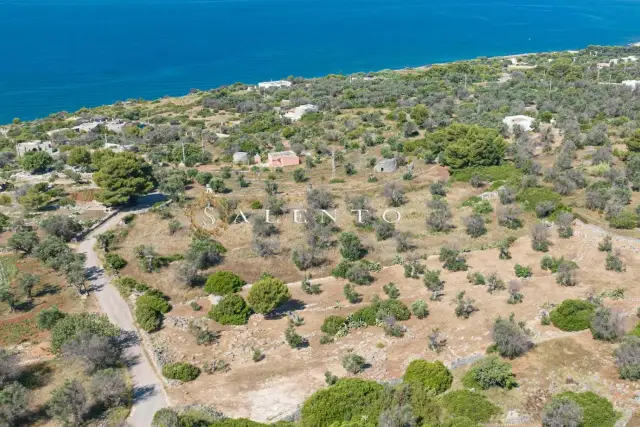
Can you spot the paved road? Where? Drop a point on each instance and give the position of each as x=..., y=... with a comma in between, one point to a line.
x=147, y=389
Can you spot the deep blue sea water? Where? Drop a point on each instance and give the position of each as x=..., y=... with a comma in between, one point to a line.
x=65, y=54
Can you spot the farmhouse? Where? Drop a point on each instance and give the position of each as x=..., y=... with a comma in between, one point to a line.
x=282, y=158
x=33, y=146
x=386, y=165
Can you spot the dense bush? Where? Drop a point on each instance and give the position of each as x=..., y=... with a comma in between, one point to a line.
x=181, y=371
x=532, y=197
x=231, y=310
x=596, y=411
x=349, y=399
x=474, y=406
x=523, y=272
x=368, y=315
x=562, y=412
x=70, y=326
x=223, y=283
x=395, y=308
x=420, y=309
x=430, y=375
x=354, y=363
x=572, y=315
x=48, y=318
x=627, y=358
x=153, y=300
x=351, y=249
x=267, y=294
x=115, y=261
x=606, y=324
x=332, y=324
x=511, y=338
x=490, y=372
x=452, y=260
x=126, y=285
x=147, y=318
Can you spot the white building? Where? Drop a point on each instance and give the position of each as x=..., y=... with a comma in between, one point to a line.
x=296, y=114
x=240, y=158
x=274, y=84
x=525, y=122
x=116, y=126
x=34, y=146
x=86, y=127
x=631, y=83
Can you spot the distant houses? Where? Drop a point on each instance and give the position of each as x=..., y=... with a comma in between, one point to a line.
x=275, y=84
x=34, y=146
x=114, y=125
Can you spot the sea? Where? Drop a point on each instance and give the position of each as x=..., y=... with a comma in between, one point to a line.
x=60, y=55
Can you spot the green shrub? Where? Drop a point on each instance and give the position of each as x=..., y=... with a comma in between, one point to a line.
x=116, y=262
x=507, y=172
x=596, y=411
x=223, y=283
x=48, y=318
x=152, y=300
x=531, y=197
x=465, y=403
x=431, y=375
x=267, y=294
x=395, y=308
x=367, y=315
x=420, y=309
x=624, y=221
x=181, y=371
x=523, y=272
x=70, y=326
x=349, y=399
x=231, y=310
x=332, y=324
x=351, y=249
x=341, y=269
x=354, y=363
x=126, y=285
x=572, y=315
x=490, y=372
x=147, y=318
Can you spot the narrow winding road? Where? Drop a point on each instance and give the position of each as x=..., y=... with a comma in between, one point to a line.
x=148, y=394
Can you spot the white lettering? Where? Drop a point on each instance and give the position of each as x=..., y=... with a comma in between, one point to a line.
x=384, y=216
x=266, y=218
x=359, y=214
x=240, y=215
x=333, y=218
x=209, y=215
x=297, y=219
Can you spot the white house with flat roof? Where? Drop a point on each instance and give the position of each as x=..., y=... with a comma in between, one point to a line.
x=631, y=83
x=525, y=122
x=296, y=114
x=86, y=127
x=275, y=84
x=34, y=146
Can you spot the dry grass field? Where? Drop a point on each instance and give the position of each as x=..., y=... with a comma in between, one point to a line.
x=272, y=388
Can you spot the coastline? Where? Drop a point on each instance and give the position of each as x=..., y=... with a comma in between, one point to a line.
x=407, y=68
